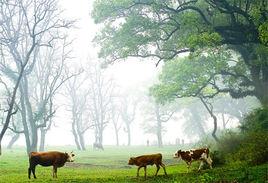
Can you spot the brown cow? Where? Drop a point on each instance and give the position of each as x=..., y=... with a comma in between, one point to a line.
x=50, y=158
x=143, y=161
x=194, y=155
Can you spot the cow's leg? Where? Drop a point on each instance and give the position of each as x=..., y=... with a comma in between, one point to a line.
x=145, y=175
x=56, y=176
x=209, y=162
x=29, y=173
x=54, y=171
x=188, y=166
x=53, y=174
x=163, y=166
x=201, y=164
x=138, y=171
x=33, y=170
x=158, y=167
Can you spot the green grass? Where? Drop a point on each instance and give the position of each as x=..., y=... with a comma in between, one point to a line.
x=111, y=166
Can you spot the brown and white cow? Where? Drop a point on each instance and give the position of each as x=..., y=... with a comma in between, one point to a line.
x=144, y=160
x=195, y=155
x=50, y=158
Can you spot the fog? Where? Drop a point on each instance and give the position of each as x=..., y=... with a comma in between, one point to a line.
x=129, y=81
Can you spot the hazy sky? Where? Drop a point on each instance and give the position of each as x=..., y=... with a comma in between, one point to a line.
x=129, y=75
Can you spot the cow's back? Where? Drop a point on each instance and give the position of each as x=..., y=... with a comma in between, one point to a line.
x=197, y=154
x=149, y=159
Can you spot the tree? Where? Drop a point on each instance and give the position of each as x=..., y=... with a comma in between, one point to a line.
x=101, y=89
x=190, y=78
x=195, y=117
x=158, y=115
x=164, y=29
x=78, y=97
x=28, y=27
x=128, y=113
x=116, y=122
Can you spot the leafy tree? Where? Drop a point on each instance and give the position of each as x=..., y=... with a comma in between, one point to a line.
x=164, y=29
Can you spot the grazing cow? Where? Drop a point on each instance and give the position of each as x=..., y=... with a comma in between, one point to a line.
x=143, y=161
x=97, y=146
x=194, y=155
x=50, y=158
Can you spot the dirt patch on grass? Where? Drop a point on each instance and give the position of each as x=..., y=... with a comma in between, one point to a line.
x=89, y=165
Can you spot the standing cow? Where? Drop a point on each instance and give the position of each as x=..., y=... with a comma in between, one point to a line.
x=51, y=158
x=143, y=161
x=194, y=155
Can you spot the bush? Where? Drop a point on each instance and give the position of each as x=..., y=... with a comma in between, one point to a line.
x=250, y=145
x=256, y=121
x=253, y=149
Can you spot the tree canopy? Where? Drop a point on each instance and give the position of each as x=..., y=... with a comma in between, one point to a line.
x=165, y=29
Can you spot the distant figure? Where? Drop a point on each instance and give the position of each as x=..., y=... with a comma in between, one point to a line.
x=148, y=143
x=177, y=141
x=143, y=161
x=195, y=155
x=98, y=146
x=51, y=158
x=182, y=141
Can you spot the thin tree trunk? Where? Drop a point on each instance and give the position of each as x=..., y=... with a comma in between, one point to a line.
x=13, y=140
x=215, y=122
x=116, y=137
x=128, y=135
x=42, y=139
x=159, y=133
x=24, y=122
x=82, y=141
x=75, y=136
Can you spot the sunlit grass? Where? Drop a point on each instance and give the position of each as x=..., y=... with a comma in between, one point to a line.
x=111, y=166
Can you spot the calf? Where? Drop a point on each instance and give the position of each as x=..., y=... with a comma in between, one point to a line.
x=194, y=155
x=51, y=158
x=143, y=161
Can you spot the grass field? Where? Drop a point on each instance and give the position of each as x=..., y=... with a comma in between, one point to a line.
x=111, y=166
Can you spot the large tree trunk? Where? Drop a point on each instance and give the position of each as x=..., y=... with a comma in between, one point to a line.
x=13, y=140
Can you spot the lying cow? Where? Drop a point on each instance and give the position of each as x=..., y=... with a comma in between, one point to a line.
x=143, y=161
x=194, y=155
x=51, y=158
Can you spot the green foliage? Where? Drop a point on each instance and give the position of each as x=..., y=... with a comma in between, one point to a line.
x=253, y=148
x=189, y=76
x=256, y=121
x=263, y=32
x=250, y=145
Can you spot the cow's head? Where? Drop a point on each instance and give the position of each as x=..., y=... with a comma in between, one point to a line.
x=131, y=161
x=177, y=154
x=70, y=156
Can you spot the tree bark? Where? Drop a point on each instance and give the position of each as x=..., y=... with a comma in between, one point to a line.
x=13, y=140
x=42, y=139
x=128, y=135
x=215, y=122
x=76, y=137
x=116, y=137
x=159, y=133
